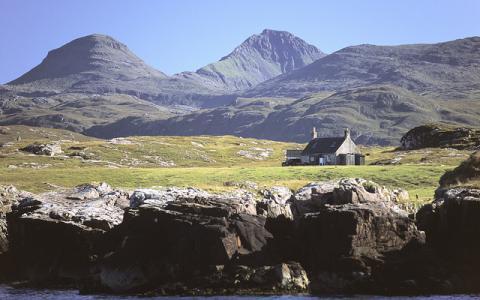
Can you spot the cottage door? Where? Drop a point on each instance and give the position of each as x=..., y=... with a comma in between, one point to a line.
x=321, y=161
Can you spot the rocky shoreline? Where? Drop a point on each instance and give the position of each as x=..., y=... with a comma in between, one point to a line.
x=346, y=236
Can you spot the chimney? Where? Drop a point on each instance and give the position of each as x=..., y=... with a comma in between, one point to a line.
x=314, y=133
x=347, y=133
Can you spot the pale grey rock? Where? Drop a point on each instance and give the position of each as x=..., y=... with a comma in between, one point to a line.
x=90, y=191
x=164, y=195
x=291, y=276
x=96, y=210
x=43, y=149
x=359, y=191
x=279, y=194
x=239, y=201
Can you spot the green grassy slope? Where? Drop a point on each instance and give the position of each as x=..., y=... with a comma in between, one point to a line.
x=201, y=161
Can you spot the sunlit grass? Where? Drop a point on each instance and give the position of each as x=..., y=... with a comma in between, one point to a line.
x=418, y=180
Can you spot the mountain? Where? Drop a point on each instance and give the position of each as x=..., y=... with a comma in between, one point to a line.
x=94, y=63
x=260, y=57
x=96, y=80
x=380, y=92
x=100, y=64
x=377, y=114
x=448, y=70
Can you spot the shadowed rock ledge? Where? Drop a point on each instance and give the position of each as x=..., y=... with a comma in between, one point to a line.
x=346, y=236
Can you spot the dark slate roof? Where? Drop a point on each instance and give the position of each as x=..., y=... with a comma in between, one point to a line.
x=323, y=145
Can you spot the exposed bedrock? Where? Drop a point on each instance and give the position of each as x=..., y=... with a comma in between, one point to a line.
x=346, y=236
x=452, y=225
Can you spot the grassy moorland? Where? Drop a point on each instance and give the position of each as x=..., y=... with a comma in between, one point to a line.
x=204, y=161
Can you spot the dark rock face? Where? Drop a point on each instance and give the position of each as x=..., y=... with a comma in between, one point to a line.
x=452, y=222
x=65, y=235
x=452, y=227
x=9, y=195
x=465, y=172
x=441, y=136
x=346, y=230
x=345, y=236
x=196, y=231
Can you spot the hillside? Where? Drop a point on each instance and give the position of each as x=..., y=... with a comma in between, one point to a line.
x=214, y=163
x=83, y=151
x=378, y=114
x=97, y=80
x=448, y=70
x=380, y=92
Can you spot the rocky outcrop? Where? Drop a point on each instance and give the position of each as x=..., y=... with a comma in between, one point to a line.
x=441, y=136
x=346, y=230
x=467, y=171
x=451, y=220
x=215, y=237
x=54, y=238
x=452, y=227
x=9, y=195
x=43, y=149
x=338, y=236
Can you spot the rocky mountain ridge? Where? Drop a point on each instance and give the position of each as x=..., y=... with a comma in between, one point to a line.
x=376, y=114
x=380, y=91
x=448, y=70
x=99, y=64
x=261, y=57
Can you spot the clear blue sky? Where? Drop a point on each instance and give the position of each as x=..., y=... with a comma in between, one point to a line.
x=181, y=35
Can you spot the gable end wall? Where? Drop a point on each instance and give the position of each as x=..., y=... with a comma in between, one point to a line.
x=348, y=146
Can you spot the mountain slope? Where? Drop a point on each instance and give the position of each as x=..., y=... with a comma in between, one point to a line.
x=87, y=64
x=260, y=57
x=449, y=70
x=100, y=64
x=378, y=91
x=378, y=114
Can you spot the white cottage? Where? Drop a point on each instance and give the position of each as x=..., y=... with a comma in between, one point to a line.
x=328, y=151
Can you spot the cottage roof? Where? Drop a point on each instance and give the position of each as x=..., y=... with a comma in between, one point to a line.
x=323, y=145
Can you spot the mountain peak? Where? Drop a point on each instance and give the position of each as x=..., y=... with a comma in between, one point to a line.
x=281, y=42
x=261, y=57
x=267, y=31
x=92, y=57
x=96, y=39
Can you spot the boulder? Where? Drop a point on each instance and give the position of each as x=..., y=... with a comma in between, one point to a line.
x=441, y=136
x=468, y=170
x=9, y=195
x=43, y=149
x=346, y=230
x=165, y=195
x=452, y=221
x=54, y=238
x=291, y=276
x=315, y=196
x=279, y=194
x=90, y=191
x=191, y=233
